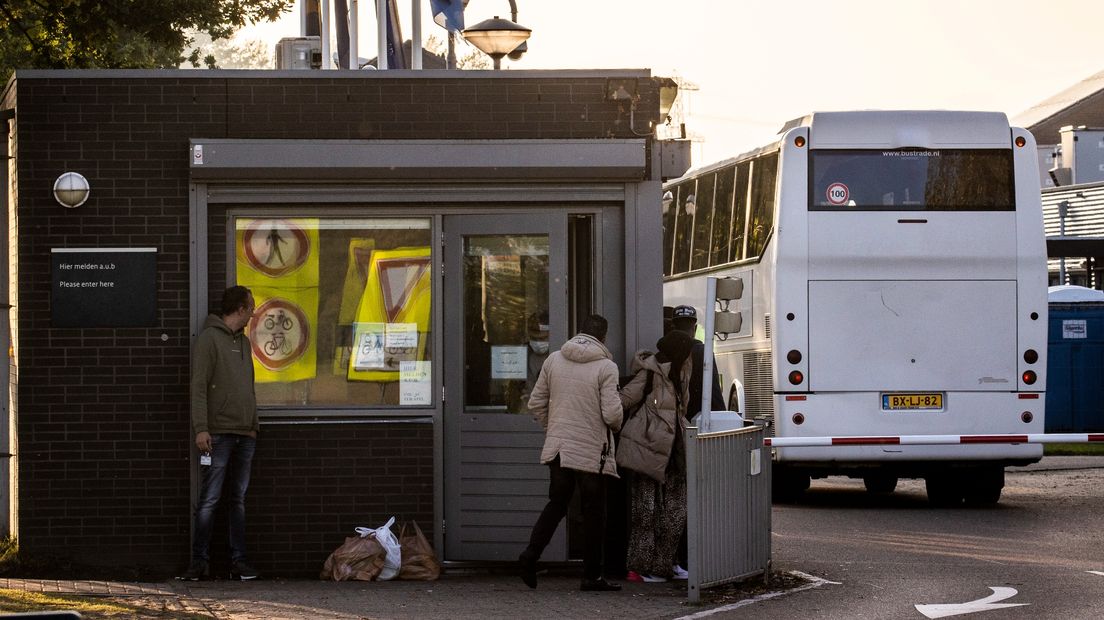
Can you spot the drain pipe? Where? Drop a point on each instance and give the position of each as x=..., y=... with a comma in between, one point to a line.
x=8, y=520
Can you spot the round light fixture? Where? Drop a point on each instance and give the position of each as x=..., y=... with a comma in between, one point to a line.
x=71, y=190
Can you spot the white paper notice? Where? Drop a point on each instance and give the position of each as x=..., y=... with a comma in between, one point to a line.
x=368, y=353
x=508, y=362
x=1075, y=329
x=414, y=383
x=401, y=336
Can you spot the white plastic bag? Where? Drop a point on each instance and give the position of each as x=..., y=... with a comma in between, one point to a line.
x=390, y=544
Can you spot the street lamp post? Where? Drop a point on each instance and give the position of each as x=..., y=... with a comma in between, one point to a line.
x=496, y=37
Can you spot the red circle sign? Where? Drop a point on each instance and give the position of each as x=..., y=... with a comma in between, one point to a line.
x=838, y=194
x=275, y=247
x=279, y=332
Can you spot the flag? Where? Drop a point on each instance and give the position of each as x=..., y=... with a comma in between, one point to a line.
x=448, y=14
x=396, y=56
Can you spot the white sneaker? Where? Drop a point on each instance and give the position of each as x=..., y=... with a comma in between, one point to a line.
x=679, y=573
x=653, y=579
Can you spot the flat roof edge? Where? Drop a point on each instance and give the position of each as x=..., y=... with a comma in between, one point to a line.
x=177, y=74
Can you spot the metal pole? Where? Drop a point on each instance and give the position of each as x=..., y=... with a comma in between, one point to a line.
x=707, y=356
x=1063, y=209
x=381, y=33
x=694, y=534
x=416, y=35
x=325, y=34
x=354, y=33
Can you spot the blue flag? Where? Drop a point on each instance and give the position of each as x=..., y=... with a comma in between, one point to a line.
x=448, y=14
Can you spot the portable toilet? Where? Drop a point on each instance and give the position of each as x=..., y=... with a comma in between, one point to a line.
x=1075, y=360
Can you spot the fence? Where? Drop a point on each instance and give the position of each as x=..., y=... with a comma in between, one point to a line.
x=728, y=498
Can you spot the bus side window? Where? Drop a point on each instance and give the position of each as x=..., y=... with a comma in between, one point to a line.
x=703, y=218
x=763, y=173
x=684, y=227
x=739, y=212
x=669, y=208
x=720, y=241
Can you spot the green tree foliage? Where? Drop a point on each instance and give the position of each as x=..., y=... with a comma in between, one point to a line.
x=118, y=34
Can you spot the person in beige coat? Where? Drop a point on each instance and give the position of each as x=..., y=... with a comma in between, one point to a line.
x=575, y=399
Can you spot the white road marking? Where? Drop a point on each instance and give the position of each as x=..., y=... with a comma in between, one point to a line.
x=1096, y=572
x=814, y=582
x=985, y=604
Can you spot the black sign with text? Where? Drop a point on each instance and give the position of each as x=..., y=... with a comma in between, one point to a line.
x=104, y=287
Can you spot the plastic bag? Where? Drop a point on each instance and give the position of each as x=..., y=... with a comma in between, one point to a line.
x=359, y=558
x=419, y=563
x=393, y=553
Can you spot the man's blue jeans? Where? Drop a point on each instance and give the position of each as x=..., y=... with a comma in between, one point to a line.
x=231, y=459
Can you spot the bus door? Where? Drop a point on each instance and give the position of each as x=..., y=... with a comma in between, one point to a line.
x=505, y=306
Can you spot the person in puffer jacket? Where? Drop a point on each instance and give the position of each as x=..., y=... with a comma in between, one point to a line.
x=575, y=400
x=659, y=391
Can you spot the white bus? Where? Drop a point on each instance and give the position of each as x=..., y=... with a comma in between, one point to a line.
x=894, y=269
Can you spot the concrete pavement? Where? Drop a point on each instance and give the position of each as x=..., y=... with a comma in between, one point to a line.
x=458, y=594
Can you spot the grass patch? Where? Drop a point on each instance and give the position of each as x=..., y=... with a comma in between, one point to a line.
x=16, y=601
x=1073, y=449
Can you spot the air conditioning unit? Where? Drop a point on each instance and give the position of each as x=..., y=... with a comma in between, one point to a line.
x=299, y=53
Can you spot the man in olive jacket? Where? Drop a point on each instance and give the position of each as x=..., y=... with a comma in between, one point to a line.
x=575, y=399
x=224, y=422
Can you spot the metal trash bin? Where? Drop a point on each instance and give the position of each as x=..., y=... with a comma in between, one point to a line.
x=728, y=496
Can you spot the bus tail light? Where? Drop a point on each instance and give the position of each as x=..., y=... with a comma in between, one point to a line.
x=1029, y=377
x=1021, y=141
x=1027, y=417
x=794, y=356
x=796, y=377
x=799, y=141
x=798, y=418
x=1031, y=356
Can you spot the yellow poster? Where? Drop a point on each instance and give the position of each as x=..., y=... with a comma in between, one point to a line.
x=283, y=332
x=277, y=252
x=356, y=275
x=392, y=318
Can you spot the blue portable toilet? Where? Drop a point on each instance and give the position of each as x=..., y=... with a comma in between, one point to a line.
x=1075, y=360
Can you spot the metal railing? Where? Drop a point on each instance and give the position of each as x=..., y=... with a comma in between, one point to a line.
x=728, y=497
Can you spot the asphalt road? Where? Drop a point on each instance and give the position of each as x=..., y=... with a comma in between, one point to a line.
x=887, y=554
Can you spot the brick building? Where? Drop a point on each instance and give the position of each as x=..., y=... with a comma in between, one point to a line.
x=478, y=204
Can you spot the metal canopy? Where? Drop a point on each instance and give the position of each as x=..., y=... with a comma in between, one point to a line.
x=1081, y=247
x=469, y=160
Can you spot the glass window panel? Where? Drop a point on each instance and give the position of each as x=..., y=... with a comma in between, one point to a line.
x=684, y=227
x=703, y=218
x=343, y=310
x=506, y=326
x=669, y=208
x=762, y=203
x=722, y=218
x=912, y=180
x=739, y=212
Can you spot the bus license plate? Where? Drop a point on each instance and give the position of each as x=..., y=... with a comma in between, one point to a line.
x=918, y=401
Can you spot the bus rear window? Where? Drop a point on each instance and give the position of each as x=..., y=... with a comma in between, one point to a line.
x=911, y=180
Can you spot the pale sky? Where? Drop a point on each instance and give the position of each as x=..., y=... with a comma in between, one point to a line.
x=758, y=64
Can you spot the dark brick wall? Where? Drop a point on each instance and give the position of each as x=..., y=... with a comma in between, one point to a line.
x=103, y=413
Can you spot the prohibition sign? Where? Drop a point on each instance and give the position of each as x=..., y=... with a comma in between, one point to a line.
x=838, y=194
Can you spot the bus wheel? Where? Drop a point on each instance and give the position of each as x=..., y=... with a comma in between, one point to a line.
x=788, y=485
x=944, y=490
x=880, y=483
x=984, y=486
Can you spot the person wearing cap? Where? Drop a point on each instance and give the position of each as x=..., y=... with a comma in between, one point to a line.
x=685, y=318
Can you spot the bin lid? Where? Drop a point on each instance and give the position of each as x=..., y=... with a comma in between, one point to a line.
x=1068, y=293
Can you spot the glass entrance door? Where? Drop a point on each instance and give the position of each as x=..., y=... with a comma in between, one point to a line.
x=505, y=308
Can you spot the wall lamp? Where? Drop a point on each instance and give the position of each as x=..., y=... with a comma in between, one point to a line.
x=71, y=190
